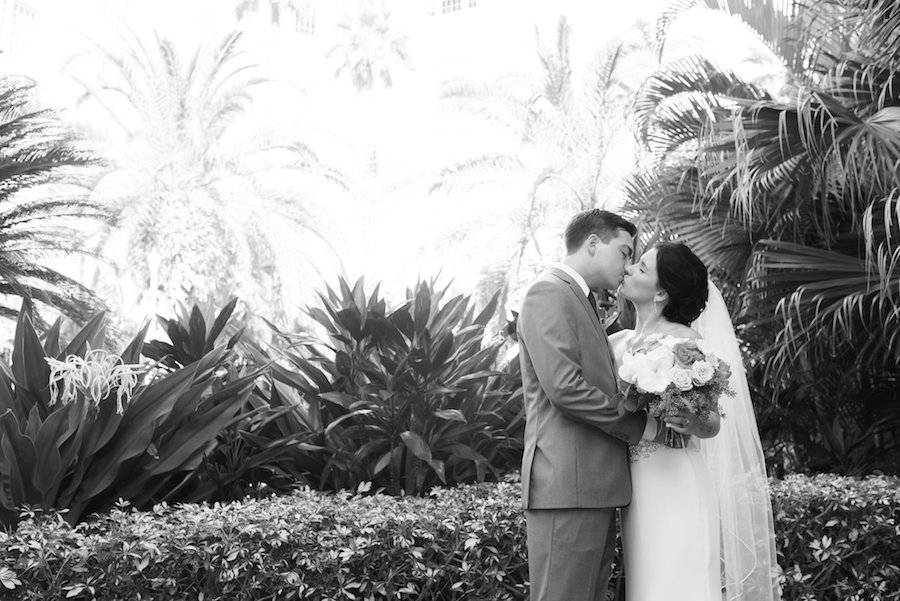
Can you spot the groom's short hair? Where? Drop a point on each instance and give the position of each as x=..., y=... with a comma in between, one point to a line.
x=594, y=221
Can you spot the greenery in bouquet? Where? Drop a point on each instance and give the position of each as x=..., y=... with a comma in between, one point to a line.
x=667, y=374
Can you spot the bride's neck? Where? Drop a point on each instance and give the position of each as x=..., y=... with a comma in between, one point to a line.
x=647, y=319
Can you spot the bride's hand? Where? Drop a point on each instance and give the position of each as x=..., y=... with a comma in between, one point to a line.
x=685, y=422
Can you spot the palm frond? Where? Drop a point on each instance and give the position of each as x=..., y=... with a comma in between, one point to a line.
x=771, y=20
x=694, y=77
x=826, y=301
x=473, y=172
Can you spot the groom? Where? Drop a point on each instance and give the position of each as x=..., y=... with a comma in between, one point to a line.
x=575, y=469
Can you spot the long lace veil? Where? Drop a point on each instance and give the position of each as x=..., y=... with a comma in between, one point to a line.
x=736, y=462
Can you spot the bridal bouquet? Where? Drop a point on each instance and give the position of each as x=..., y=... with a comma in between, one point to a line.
x=668, y=374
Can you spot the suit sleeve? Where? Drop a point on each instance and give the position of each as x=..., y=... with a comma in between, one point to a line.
x=547, y=327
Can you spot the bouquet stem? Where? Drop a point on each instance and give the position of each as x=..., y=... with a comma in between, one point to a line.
x=677, y=440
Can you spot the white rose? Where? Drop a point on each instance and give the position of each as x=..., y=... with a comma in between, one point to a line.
x=682, y=378
x=702, y=372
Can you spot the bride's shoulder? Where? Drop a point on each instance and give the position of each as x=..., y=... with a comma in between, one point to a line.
x=681, y=332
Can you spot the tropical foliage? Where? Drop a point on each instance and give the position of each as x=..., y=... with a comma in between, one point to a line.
x=405, y=399
x=43, y=201
x=82, y=427
x=561, y=124
x=265, y=449
x=206, y=204
x=189, y=339
x=793, y=196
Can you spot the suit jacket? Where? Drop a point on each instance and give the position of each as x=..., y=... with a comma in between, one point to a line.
x=575, y=440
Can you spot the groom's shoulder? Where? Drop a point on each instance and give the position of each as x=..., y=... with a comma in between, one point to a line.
x=549, y=279
x=548, y=285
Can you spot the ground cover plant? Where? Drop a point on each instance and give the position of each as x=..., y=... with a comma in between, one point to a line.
x=836, y=539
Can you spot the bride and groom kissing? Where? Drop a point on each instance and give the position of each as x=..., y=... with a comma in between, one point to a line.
x=696, y=521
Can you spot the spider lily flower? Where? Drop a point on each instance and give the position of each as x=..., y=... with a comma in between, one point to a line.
x=95, y=376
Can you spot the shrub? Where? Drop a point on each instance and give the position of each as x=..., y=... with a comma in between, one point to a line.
x=464, y=543
x=408, y=398
x=837, y=539
x=189, y=340
x=265, y=448
x=81, y=426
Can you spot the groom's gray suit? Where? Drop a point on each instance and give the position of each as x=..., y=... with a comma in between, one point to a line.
x=575, y=467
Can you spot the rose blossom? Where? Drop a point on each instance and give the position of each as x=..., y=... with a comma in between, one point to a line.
x=682, y=379
x=686, y=353
x=702, y=372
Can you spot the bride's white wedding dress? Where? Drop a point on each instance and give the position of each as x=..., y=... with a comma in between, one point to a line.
x=670, y=532
x=699, y=527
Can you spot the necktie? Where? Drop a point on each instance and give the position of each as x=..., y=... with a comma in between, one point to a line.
x=593, y=303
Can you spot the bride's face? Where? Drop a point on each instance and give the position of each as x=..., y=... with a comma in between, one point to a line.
x=641, y=283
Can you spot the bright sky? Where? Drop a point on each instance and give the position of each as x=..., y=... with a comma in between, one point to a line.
x=500, y=40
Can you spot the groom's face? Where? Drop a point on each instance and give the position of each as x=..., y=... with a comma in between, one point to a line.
x=608, y=260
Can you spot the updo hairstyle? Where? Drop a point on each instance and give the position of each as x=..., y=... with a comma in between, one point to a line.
x=683, y=275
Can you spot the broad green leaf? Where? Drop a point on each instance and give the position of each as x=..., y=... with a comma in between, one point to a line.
x=197, y=332
x=32, y=373
x=417, y=445
x=18, y=461
x=451, y=414
x=93, y=334
x=51, y=339
x=132, y=352
x=219, y=324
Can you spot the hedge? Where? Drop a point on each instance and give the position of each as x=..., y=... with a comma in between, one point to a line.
x=838, y=538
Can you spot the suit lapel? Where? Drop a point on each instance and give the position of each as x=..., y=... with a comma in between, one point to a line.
x=582, y=298
x=576, y=290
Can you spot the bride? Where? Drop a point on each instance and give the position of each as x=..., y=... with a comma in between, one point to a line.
x=699, y=527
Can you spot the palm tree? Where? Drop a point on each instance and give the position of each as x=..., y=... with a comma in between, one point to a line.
x=43, y=202
x=798, y=199
x=210, y=201
x=562, y=132
x=562, y=126
x=371, y=47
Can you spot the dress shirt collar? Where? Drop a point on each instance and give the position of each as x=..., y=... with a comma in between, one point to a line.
x=575, y=276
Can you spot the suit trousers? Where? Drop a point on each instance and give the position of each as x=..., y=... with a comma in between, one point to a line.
x=570, y=553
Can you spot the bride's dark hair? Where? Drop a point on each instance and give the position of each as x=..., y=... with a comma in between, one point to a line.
x=683, y=275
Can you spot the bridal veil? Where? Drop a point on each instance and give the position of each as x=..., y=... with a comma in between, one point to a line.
x=737, y=465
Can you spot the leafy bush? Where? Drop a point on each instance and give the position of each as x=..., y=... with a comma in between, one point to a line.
x=264, y=449
x=464, y=543
x=189, y=340
x=81, y=426
x=837, y=539
x=406, y=399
